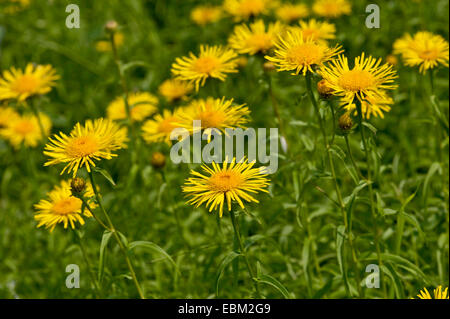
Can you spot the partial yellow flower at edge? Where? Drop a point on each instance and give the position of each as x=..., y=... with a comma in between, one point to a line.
x=331, y=8
x=233, y=182
x=105, y=45
x=175, y=90
x=438, y=293
x=255, y=38
x=244, y=9
x=25, y=129
x=290, y=12
x=141, y=104
x=203, y=15
x=34, y=80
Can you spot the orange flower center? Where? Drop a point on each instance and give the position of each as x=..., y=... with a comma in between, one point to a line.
x=166, y=126
x=67, y=206
x=24, y=127
x=206, y=64
x=431, y=54
x=212, y=119
x=356, y=80
x=305, y=54
x=225, y=181
x=25, y=84
x=82, y=146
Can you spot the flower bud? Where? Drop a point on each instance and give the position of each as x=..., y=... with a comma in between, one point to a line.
x=77, y=186
x=158, y=160
x=111, y=26
x=323, y=89
x=345, y=122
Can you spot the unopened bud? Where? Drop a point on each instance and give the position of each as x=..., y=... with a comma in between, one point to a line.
x=268, y=66
x=324, y=89
x=158, y=160
x=345, y=122
x=77, y=186
x=111, y=26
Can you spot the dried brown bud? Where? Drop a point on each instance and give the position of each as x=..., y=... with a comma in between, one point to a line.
x=77, y=186
x=158, y=160
x=111, y=26
x=345, y=122
x=324, y=89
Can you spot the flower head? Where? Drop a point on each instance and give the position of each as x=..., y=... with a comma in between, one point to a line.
x=255, y=38
x=160, y=127
x=212, y=62
x=85, y=144
x=316, y=30
x=373, y=105
x=63, y=208
x=438, y=293
x=203, y=15
x=331, y=8
x=244, y=9
x=365, y=80
x=141, y=104
x=294, y=52
x=290, y=12
x=25, y=129
x=231, y=182
x=174, y=89
x=34, y=80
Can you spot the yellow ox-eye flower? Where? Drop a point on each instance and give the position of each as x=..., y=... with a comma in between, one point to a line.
x=438, y=293
x=25, y=129
x=331, y=8
x=365, y=80
x=105, y=45
x=215, y=115
x=160, y=127
x=233, y=182
x=203, y=15
x=175, y=90
x=316, y=30
x=244, y=9
x=34, y=80
x=424, y=49
x=63, y=208
x=256, y=38
x=373, y=105
x=294, y=52
x=290, y=12
x=141, y=104
x=85, y=144
x=212, y=62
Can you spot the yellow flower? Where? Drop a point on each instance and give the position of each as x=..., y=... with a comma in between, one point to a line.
x=174, y=89
x=373, y=105
x=203, y=15
x=159, y=128
x=105, y=45
x=391, y=59
x=34, y=80
x=331, y=8
x=316, y=30
x=13, y=6
x=293, y=52
x=62, y=207
x=290, y=12
x=142, y=105
x=7, y=115
x=25, y=129
x=254, y=39
x=244, y=9
x=95, y=140
x=424, y=49
x=366, y=80
x=232, y=182
x=214, y=114
x=212, y=62
x=438, y=293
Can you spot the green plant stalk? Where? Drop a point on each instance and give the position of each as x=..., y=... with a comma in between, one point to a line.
x=276, y=109
x=35, y=111
x=112, y=229
x=243, y=252
x=369, y=182
x=352, y=159
x=333, y=173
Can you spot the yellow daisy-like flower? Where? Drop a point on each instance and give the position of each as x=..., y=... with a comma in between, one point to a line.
x=62, y=208
x=25, y=129
x=95, y=140
x=438, y=293
x=290, y=12
x=203, y=15
x=175, y=90
x=244, y=9
x=159, y=128
x=424, y=49
x=142, y=105
x=214, y=114
x=294, y=52
x=34, y=80
x=105, y=45
x=7, y=115
x=212, y=62
x=231, y=182
x=316, y=30
x=256, y=38
x=331, y=8
x=373, y=105
x=365, y=80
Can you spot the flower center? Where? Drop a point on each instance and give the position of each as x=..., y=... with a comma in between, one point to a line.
x=261, y=42
x=212, y=118
x=205, y=64
x=166, y=126
x=67, y=206
x=25, y=84
x=82, y=146
x=225, y=181
x=356, y=80
x=430, y=54
x=24, y=127
x=305, y=54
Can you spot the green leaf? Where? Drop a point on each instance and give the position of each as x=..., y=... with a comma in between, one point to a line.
x=101, y=263
x=396, y=280
x=105, y=175
x=269, y=280
x=153, y=248
x=225, y=262
x=405, y=264
x=340, y=236
x=133, y=64
x=434, y=168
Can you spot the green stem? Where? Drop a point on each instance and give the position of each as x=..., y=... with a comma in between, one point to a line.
x=276, y=109
x=38, y=117
x=116, y=236
x=243, y=252
x=352, y=159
